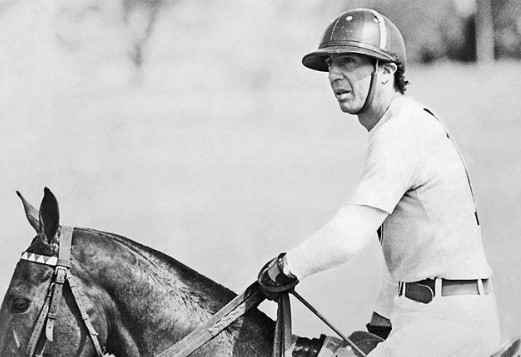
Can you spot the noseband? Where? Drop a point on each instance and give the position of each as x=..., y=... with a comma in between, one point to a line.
x=49, y=313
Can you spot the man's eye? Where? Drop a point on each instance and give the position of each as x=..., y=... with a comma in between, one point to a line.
x=347, y=60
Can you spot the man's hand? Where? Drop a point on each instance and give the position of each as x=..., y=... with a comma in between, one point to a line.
x=275, y=277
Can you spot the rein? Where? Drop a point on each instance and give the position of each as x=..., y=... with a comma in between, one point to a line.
x=252, y=297
x=249, y=299
x=49, y=313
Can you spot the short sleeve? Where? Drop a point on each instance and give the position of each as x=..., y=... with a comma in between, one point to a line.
x=392, y=166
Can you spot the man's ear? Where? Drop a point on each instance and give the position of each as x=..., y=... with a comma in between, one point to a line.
x=388, y=70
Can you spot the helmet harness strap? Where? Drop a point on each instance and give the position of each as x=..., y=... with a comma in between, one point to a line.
x=370, y=93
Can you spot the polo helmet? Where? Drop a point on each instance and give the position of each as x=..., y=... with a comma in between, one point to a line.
x=360, y=31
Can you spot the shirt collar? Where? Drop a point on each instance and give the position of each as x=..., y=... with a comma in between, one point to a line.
x=396, y=102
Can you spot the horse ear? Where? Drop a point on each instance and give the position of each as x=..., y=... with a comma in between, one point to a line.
x=49, y=216
x=30, y=212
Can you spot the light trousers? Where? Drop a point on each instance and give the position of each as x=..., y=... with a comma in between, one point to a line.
x=461, y=325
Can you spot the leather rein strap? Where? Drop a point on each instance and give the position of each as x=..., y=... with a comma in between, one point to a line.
x=283, y=336
x=252, y=297
x=49, y=312
x=249, y=299
x=236, y=308
x=358, y=351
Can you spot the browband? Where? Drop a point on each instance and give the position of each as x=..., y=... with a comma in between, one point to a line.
x=40, y=259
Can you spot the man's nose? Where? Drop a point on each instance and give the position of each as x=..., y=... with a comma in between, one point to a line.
x=334, y=72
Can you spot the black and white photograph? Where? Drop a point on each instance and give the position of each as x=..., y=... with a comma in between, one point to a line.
x=279, y=178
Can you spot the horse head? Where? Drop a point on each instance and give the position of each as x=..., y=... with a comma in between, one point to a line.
x=32, y=290
x=81, y=292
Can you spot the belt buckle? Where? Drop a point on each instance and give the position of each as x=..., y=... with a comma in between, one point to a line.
x=418, y=292
x=428, y=297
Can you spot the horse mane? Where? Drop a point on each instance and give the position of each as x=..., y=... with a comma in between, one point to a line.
x=205, y=287
x=186, y=289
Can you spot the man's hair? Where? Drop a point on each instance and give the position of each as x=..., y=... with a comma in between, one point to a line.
x=400, y=83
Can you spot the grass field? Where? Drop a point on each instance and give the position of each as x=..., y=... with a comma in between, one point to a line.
x=224, y=155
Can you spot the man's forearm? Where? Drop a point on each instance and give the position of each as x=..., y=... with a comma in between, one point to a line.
x=348, y=232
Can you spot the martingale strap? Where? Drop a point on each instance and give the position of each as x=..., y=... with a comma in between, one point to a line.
x=49, y=312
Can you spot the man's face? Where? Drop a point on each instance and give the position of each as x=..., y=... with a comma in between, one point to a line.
x=350, y=78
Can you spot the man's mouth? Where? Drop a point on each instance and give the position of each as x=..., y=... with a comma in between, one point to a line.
x=341, y=92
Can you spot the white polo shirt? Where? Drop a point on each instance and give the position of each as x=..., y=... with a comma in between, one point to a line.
x=414, y=172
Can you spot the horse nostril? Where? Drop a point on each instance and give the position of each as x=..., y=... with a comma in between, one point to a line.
x=20, y=305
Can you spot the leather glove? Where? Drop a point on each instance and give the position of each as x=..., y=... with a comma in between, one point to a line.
x=275, y=277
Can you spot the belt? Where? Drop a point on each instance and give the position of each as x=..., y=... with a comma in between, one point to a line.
x=425, y=290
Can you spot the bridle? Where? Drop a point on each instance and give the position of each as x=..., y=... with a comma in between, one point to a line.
x=49, y=312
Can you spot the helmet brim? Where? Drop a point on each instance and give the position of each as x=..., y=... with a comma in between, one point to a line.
x=317, y=60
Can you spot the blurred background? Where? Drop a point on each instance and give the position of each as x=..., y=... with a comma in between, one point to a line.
x=191, y=126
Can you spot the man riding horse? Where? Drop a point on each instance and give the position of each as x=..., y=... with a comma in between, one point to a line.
x=414, y=191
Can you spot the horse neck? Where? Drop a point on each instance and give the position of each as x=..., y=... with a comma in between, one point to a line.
x=152, y=300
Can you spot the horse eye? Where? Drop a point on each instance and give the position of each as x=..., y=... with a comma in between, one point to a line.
x=20, y=305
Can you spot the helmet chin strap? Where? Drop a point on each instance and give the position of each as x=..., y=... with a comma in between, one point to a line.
x=370, y=93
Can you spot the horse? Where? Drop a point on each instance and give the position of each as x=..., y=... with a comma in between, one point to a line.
x=139, y=301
